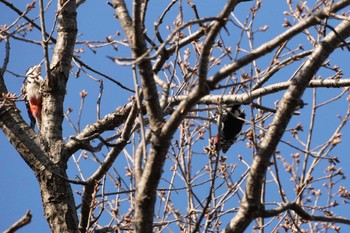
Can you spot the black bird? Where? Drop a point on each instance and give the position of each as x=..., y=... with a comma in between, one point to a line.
x=230, y=127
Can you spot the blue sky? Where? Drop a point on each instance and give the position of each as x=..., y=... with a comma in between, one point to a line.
x=20, y=191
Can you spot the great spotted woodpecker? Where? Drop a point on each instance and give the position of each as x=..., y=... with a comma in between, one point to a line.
x=32, y=95
x=231, y=126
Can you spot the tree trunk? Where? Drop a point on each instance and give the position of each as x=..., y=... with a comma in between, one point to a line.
x=58, y=202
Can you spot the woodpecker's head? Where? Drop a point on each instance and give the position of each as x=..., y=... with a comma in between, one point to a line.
x=34, y=72
x=235, y=110
x=32, y=81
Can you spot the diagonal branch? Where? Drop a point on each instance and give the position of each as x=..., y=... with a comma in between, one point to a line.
x=102, y=170
x=23, y=138
x=250, y=206
x=24, y=220
x=274, y=43
x=210, y=39
x=109, y=122
x=303, y=214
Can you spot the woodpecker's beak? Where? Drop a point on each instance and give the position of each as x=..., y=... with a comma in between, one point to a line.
x=42, y=61
x=35, y=70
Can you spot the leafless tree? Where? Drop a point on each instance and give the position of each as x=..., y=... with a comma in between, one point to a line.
x=287, y=170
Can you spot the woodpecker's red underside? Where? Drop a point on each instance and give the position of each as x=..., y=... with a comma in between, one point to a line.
x=35, y=107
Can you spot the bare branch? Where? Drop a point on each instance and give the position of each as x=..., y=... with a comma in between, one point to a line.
x=109, y=122
x=247, y=98
x=24, y=220
x=274, y=43
x=209, y=41
x=250, y=205
x=44, y=39
x=103, y=169
x=22, y=14
x=302, y=213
